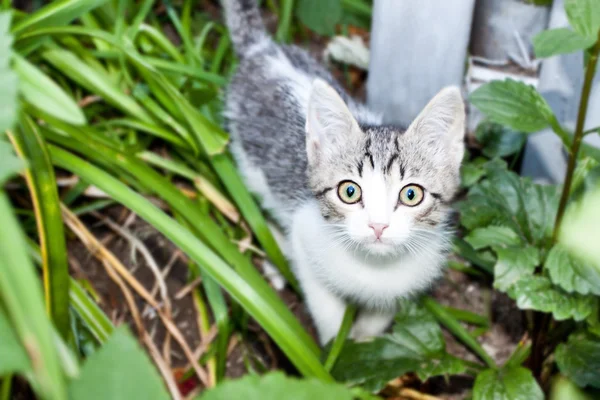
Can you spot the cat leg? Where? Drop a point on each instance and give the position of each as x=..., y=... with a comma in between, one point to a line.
x=327, y=310
x=370, y=323
x=269, y=270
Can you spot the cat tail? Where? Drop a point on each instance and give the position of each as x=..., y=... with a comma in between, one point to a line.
x=246, y=27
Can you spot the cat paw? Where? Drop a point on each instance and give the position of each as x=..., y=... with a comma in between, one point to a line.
x=273, y=275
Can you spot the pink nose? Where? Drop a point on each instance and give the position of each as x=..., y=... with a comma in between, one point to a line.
x=378, y=229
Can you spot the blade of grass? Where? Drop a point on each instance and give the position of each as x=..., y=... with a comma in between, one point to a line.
x=23, y=301
x=44, y=93
x=340, y=339
x=464, y=249
x=455, y=327
x=55, y=14
x=41, y=182
x=467, y=316
x=251, y=295
x=285, y=19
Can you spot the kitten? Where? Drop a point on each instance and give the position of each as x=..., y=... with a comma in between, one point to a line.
x=364, y=206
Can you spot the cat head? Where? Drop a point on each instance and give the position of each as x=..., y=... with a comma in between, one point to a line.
x=380, y=188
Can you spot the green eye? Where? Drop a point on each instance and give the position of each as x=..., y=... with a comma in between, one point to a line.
x=349, y=192
x=411, y=195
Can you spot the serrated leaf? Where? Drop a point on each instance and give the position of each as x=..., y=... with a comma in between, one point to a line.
x=507, y=384
x=572, y=274
x=415, y=344
x=559, y=41
x=320, y=15
x=579, y=359
x=276, y=386
x=584, y=17
x=492, y=236
x=120, y=370
x=505, y=199
x=8, y=79
x=45, y=94
x=13, y=357
x=538, y=293
x=499, y=141
x=514, y=104
x=513, y=264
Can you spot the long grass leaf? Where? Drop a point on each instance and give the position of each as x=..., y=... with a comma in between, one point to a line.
x=55, y=14
x=22, y=298
x=42, y=187
x=249, y=295
x=42, y=92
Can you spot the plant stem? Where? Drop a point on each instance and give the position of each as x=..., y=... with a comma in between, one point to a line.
x=583, y=105
x=338, y=342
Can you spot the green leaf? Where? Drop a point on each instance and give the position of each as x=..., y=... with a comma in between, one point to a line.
x=507, y=384
x=276, y=386
x=564, y=389
x=513, y=264
x=415, y=344
x=56, y=13
x=8, y=79
x=470, y=173
x=320, y=15
x=119, y=370
x=579, y=231
x=579, y=359
x=10, y=164
x=43, y=93
x=559, y=41
x=498, y=140
x=538, y=293
x=584, y=16
x=492, y=236
x=514, y=104
x=572, y=274
x=13, y=357
x=505, y=199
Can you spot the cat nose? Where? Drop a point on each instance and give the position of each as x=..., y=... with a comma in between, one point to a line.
x=378, y=229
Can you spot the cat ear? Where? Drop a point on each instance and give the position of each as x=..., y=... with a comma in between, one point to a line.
x=442, y=122
x=329, y=122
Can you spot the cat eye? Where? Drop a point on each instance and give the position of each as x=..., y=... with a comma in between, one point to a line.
x=412, y=195
x=349, y=192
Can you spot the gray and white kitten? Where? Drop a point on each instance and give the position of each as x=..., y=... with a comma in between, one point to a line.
x=363, y=206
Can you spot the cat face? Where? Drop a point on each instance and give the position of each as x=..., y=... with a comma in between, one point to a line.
x=383, y=190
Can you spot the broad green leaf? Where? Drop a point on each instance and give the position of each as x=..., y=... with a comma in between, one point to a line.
x=8, y=79
x=119, y=370
x=584, y=16
x=10, y=164
x=571, y=273
x=507, y=384
x=579, y=359
x=320, y=15
x=416, y=344
x=43, y=93
x=514, y=104
x=13, y=357
x=499, y=141
x=559, y=41
x=492, y=236
x=56, y=13
x=581, y=228
x=276, y=386
x=565, y=389
x=470, y=173
x=538, y=293
x=505, y=199
x=513, y=264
